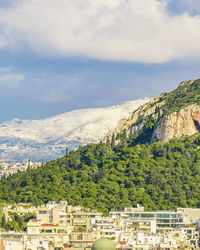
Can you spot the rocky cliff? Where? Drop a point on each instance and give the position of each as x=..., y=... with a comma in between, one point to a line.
x=133, y=123
x=170, y=115
x=183, y=122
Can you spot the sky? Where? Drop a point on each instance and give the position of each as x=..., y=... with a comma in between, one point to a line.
x=57, y=56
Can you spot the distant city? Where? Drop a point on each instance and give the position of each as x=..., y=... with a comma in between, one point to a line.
x=65, y=227
x=7, y=169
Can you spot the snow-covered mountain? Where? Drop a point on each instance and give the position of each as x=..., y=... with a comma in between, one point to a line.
x=42, y=140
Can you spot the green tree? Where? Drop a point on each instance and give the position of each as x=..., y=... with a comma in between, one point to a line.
x=3, y=222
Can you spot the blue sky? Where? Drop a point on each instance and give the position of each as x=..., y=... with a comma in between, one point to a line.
x=56, y=56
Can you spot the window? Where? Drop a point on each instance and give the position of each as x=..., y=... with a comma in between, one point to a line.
x=42, y=212
x=163, y=215
x=79, y=237
x=48, y=231
x=147, y=215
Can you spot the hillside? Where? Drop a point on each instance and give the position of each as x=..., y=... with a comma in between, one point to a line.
x=168, y=116
x=159, y=176
x=123, y=171
x=42, y=140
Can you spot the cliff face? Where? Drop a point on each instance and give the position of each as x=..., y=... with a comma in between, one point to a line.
x=184, y=122
x=132, y=124
x=170, y=115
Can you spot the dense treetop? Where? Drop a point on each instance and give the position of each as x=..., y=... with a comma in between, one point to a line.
x=158, y=176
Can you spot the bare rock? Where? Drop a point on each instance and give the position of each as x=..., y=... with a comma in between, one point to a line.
x=178, y=124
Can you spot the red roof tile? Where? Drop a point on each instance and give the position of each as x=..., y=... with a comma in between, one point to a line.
x=122, y=242
x=48, y=225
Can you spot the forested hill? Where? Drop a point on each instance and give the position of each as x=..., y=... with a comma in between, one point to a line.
x=105, y=176
x=158, y=176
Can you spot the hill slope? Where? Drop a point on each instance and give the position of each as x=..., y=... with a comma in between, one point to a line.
x=158, y=175
x=170, y=115
x=42, y=140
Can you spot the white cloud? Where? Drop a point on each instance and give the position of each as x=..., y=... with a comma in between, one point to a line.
x=10, y=80
x=121, y=30
x=3, y=41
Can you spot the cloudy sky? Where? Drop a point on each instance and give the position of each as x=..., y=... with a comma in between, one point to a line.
x=60, y=55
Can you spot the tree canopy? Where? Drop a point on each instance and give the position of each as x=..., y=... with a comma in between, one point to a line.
x=157, y=176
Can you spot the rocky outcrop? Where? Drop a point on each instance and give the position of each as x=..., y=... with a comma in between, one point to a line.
x=131, y=124
x=183, y=122
x=170, y=115
x=135, y=121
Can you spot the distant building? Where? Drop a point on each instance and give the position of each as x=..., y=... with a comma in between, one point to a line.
x=63, y=227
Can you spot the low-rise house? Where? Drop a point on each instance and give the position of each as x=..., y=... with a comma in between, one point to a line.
x=59, y=226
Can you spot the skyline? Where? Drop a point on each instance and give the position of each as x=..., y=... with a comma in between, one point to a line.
x=107, y=54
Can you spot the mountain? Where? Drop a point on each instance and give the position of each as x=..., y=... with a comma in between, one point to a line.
x=131, y=167
x=168, y=116
x=42, y=140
